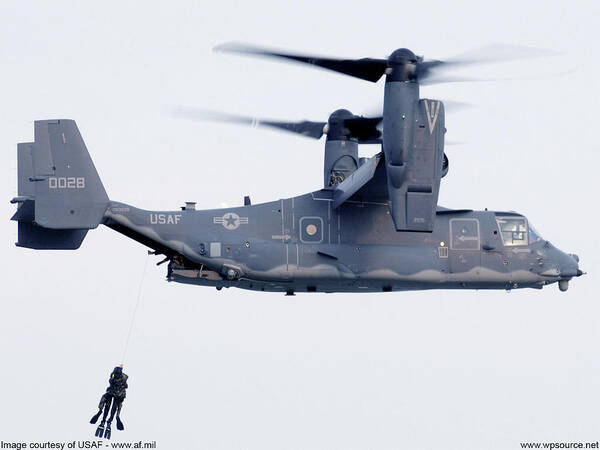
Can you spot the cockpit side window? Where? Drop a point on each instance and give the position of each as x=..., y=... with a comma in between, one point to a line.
x=513, y=230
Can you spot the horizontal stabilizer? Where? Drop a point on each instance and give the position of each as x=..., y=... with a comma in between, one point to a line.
x=38, y=238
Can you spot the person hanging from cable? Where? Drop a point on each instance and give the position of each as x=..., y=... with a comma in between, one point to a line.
x=114, y=395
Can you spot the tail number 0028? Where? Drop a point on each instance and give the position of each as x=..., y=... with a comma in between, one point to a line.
x=66, y=182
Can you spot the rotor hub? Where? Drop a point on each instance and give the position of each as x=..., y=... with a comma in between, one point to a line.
x=402, y=56
x=402, y=65
x=340, y=115
x=336, y=126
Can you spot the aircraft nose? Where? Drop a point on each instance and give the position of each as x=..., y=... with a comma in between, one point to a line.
x=569, y=266
x=559, y=266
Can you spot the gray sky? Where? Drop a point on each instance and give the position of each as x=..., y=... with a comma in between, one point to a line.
x=236, y=369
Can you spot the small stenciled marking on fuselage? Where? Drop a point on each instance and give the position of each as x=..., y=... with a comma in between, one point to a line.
x=467, y=238
x=66, y=183
x=230, y=220
x=432, y=114
x=165, y=219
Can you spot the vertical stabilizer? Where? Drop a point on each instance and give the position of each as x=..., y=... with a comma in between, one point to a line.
x=60, y=193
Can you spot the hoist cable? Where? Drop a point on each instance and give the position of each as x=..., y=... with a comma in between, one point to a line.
x=135, y=308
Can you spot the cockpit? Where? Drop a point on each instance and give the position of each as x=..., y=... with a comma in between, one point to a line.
x=549, y=263
x=515, y=230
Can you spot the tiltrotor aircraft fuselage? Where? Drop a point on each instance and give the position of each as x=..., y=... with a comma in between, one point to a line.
x=374, y=226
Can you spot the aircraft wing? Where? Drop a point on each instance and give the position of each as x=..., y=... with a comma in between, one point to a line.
x=356, y=181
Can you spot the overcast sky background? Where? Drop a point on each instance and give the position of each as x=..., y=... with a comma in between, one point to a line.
x=236, y=369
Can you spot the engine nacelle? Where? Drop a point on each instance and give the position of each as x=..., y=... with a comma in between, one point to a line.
x=413, y=143
x=341, y=159
x=341, y=150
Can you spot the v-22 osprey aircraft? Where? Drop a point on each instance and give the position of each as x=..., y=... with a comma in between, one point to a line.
x=374, y=226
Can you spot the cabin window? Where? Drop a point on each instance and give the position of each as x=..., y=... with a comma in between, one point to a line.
x=513, y=230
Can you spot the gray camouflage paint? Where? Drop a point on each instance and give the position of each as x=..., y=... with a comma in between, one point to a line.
x=354, y=249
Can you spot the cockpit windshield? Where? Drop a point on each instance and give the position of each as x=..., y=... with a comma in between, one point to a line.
x=516, y=231
x=534, y=236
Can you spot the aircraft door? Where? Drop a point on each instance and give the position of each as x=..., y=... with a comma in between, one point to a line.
x=465, y=244
x=492, y=254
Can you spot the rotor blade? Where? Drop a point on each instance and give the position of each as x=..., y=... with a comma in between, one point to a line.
x=369, y=69
x=187, y=112
x=450, y=106
x=454, y=106
x=490, y=54
x=496, y=53
x=305, y=128
x=451, y=142
x=440, y=79
x=365, y=129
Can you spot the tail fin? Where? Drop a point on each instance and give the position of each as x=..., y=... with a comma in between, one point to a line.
x=60, y=193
